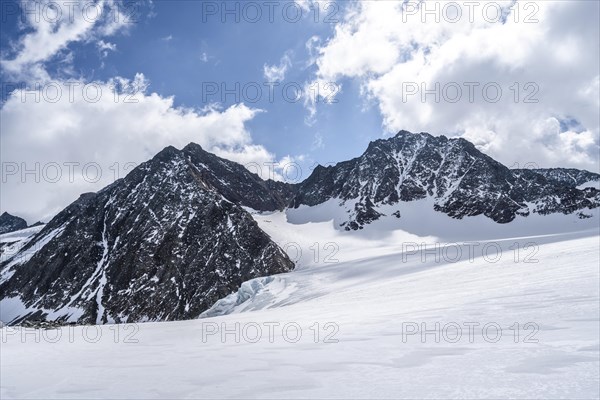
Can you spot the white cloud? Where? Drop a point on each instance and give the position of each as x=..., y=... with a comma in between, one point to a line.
x=105, y=47
x=389, y=50
x=50, y=35
x=318, y=91
x=59, y=126
x=110, y=133
x=276, y=73
x=289, y=169
x=102, y=45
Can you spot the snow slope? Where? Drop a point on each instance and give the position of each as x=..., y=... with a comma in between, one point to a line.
x=12, y=242
x=360, y=320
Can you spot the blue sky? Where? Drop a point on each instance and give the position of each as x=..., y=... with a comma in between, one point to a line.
x=373, y=53
x=184, y=50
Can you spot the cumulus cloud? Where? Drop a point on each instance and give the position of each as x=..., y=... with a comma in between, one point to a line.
x=421, y=73
x=63, y=137
x=106, y=127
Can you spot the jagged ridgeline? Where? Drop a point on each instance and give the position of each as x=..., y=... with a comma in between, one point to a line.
x=461, y=181
x=172, y=237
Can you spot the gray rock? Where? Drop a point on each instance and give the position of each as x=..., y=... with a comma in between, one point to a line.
x=10, y=223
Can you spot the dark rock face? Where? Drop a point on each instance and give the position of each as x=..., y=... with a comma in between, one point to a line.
x=461, y=180
x=236, y=183
x=10, y=223
x=567, y=176
x=164, y=243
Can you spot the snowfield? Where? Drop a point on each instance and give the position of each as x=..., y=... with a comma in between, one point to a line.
x=499, y=311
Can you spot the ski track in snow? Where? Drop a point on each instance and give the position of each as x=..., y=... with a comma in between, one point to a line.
x=364, y=305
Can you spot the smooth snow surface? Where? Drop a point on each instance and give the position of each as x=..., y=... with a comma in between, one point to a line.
x=361, y=321
x=20, y=234
x=10, y=245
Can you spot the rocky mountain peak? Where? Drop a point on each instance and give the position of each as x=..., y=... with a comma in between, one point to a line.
x=11, y=223
x=163, y=243
x=461, y=180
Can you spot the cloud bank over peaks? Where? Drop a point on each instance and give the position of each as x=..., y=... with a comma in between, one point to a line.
x=95, y=132
x=505, y=84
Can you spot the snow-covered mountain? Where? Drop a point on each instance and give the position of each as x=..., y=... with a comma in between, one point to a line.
x=570, y=176
x=164, y=243
x=461, y=180
x=178, y=233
